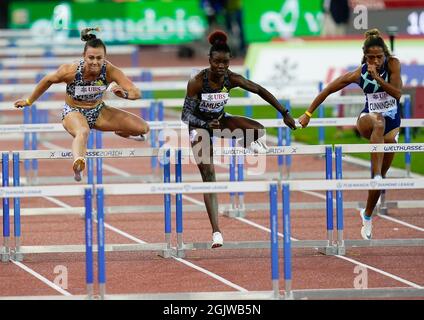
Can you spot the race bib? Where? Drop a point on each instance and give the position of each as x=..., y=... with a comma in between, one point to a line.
x=89, y=90
x=213, y=102
x=381, y=102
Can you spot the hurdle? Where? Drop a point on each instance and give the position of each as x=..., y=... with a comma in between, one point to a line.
x=164, y=248
x=338, y=186
x=325, y=246
x=86, y=191
x=371, y=148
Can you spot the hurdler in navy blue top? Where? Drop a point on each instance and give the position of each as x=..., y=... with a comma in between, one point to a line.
x=377, y=100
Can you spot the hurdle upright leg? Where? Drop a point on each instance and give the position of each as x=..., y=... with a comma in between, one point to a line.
x=341, y=250
x=273, y=206
x=34, y=145
x=88, y=243
x=101, y=263
x=5, y=252
x=232, y=209
x=382, y=209
x=330, y=249
x=17, y=255
x=179, y=206
x=241, y=210
x=288, y=294
x=166, y=253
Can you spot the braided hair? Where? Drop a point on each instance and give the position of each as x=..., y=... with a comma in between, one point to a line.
x=373, y=38
x=91, y=40
x=218, y=40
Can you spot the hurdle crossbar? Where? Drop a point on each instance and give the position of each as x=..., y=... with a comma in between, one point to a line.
x=160, y=125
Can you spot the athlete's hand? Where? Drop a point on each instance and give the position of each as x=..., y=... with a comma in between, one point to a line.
x=289, y=121
x=120, y=92
x=21, y=103
x=372, y=71
x=304, y=120
x=214, y=124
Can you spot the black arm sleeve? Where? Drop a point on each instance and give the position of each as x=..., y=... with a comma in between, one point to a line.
x=188, y=116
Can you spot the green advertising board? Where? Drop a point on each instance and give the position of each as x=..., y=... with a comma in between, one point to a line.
x=152, y=22
x=265, y=20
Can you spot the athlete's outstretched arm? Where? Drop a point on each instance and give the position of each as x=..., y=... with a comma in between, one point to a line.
x=334, y=86
x=240, y=81
x=125, y=88
x=55, y=77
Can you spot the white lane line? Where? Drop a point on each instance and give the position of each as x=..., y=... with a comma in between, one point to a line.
x=50, y=145
x=213, y=275
x=256, y=225
x=41, y=278
x=116, y=170
x=123, y=233
x=401, y=222
x=58, y=202
x=195, y=201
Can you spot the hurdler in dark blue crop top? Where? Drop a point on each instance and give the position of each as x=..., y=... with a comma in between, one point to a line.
x=379, y=101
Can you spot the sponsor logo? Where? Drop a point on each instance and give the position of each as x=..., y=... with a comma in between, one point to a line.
x=405, y=148
x=66, y=154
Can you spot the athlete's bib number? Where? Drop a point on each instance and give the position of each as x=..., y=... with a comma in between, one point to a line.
x=381, y=102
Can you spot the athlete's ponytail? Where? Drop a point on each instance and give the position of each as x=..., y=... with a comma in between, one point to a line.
x=91, y=40
x=218, y=40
